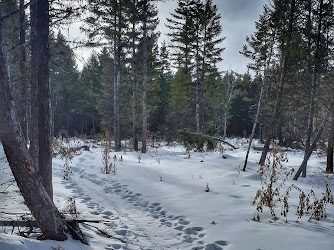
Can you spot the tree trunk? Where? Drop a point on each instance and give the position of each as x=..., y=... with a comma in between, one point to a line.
x=134, y=89
x=23, y=167
x=255, y=121
x=197, y=83
x=115, y=78
x=314, y=143
x=44, y=117
x=280, y=87
x=144, y=76
x=313, y=89
x=329, y=165
x=34, y=62
x=117, y=75
x=225, y=127
x=23, y=74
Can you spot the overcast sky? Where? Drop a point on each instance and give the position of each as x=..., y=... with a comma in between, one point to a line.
x=238, y=21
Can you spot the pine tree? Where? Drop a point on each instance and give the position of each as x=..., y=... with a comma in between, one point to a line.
x=195, y=33
x=181, y=100
x=64, y=77
x=107, y=21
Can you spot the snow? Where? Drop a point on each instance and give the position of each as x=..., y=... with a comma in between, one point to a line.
x=159, y=202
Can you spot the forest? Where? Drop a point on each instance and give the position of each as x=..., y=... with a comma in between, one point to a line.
x=140, y=90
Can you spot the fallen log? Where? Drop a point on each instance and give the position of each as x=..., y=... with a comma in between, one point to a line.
x=71, y=225
x=20, y=223
x=223, y=141
x=33, y=223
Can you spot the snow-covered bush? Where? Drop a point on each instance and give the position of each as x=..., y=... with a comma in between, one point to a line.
x=196, y=141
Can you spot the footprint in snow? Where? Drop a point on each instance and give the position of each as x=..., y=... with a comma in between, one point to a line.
x=191, y=235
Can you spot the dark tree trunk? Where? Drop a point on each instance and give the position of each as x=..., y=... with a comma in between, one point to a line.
x=23, y=74
x=314, y=87
x=44, y=117
x=280, y=86
x=329, y=166
x=117, y=75
x=197, y=83
x=134, y=90
x=23, y=167
x=314, y=143
x=34, y=61
x=275, y=113
x=255, y=120
x=144, y=77
x=115, y=78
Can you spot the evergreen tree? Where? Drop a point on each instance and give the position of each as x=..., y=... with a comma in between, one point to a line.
x=64, y=78
x=181, y=101
x=195, y=33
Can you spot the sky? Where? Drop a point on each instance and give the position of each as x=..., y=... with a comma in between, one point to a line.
x=238, y=21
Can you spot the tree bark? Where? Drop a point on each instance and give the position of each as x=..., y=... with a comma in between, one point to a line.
x=280, y=87
x=34, y=61
x=44, y=116
x=313, y=89
x=117, y=74
x=23, y=167
x=134, y=89
x=314, y=143
x=255, y=121
x=329, y=165
x=23, y=74
x=144, y=76
x=197, y=108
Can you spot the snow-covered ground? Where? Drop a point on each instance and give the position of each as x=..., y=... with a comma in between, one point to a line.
x=158, y=201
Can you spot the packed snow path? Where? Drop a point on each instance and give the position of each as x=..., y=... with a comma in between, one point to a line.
x=141, y=224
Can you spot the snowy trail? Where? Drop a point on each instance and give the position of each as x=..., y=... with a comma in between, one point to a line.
x=134, y=220
x=157, y=201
